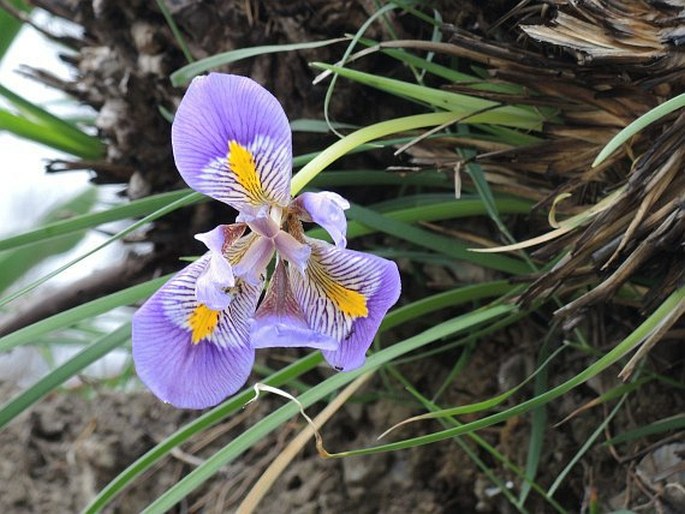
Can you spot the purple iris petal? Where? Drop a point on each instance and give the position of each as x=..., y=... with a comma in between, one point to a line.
x=292, y=250
x=280, y=322
x=325, y=209
x=345, y=294
x=262, y=224
x=252, y=265
x=232, y=141
x=218, y=275
x=211, y=285
x=221, y=238
x=186, y=373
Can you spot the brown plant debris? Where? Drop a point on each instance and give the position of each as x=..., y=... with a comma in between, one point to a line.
x=627, y=61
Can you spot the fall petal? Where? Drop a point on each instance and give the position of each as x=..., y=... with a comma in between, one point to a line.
x=345, y=294
x=188, y=354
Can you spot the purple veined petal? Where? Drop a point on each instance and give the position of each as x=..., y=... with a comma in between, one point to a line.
x=345, y=295
x=292, y=250
x=187, y=354
x=250, y=260
x=217, y=277
x=214, y=281
x=325, y=209
x=262, y=223
x=280, y=322
x=232, y=141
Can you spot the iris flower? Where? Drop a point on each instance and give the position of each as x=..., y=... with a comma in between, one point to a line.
x=194, y=340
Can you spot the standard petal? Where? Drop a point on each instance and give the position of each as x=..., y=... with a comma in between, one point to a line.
x=345, y=294
x=187, y=354
x=326, y=209
x=280, y=322
x=232, y=141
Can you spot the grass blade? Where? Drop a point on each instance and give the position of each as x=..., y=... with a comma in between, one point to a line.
x=200, y=424
x=90, y=146
x=470, y=108
x=10, y=26
x=184, y=75
x=182, y=202
x=87, y=356
x=639, y=124
x=175, y=31
x=86, y=311
x=364, y=135
x=286, y=375
x=16, y=262
x=76, y=224
x=617, y=353
x=434, y=242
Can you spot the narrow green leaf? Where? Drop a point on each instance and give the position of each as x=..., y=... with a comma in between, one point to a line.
x=88, y=310
x=364, y=135
x=488, y=448
x=618, y=352
x=402, y=55
x=393, y=319
x=337, y=178
x=470, y=108
x=16, y=262
x=639, y=124
x=268, y=424
x=184, y=75
x=672, y=424
x=317, y=126
x=131, y=209
x=59, y=375
x=446, y=299
x=37, y=132
x=538, y=428
x=435, y=242
x=182, y=202
x=587, y=444
x=207, y=420
x=453, y=209
x=89, y=144
x=10, y=26
x=175, y=31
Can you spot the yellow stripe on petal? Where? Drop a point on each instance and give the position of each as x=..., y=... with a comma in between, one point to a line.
x=202, y=321
x=351, y=303
x=242, y=163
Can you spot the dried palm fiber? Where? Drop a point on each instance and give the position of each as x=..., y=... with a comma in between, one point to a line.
x=601, y=65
